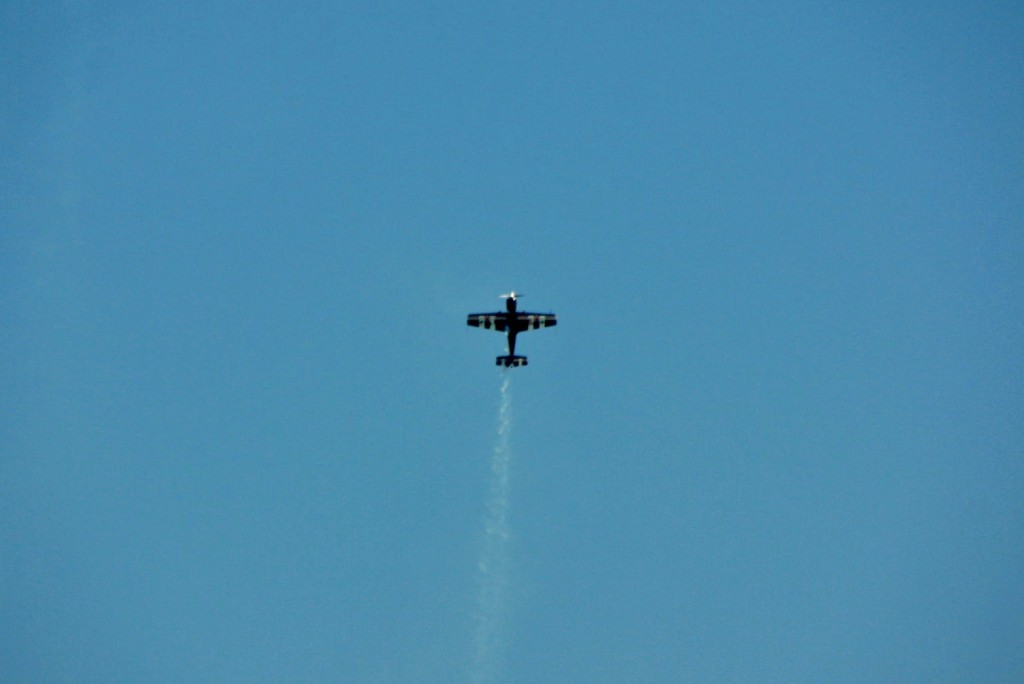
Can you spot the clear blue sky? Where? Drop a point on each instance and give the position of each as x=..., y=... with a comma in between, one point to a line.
x=776, y=437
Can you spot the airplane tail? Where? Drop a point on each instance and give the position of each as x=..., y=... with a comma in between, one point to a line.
x=510, y=361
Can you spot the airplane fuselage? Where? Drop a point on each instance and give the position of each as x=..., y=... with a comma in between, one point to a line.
x=510, y=306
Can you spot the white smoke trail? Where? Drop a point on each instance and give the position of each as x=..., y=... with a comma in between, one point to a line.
x=493, y=577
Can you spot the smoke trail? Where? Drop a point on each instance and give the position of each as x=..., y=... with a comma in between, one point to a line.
x=492, y=603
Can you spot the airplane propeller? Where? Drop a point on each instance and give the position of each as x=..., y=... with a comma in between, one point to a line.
x=510, y=295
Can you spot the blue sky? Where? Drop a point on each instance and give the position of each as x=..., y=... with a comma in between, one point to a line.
x=776, y=436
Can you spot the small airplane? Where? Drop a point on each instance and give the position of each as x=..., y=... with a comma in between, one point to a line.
x=513, y=322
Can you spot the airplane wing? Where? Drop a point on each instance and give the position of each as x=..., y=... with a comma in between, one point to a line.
x=489, y=321
x=532, y=321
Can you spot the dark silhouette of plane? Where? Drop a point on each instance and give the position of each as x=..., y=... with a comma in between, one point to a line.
x=512, y=322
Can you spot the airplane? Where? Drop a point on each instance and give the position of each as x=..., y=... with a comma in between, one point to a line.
x=513, y=322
